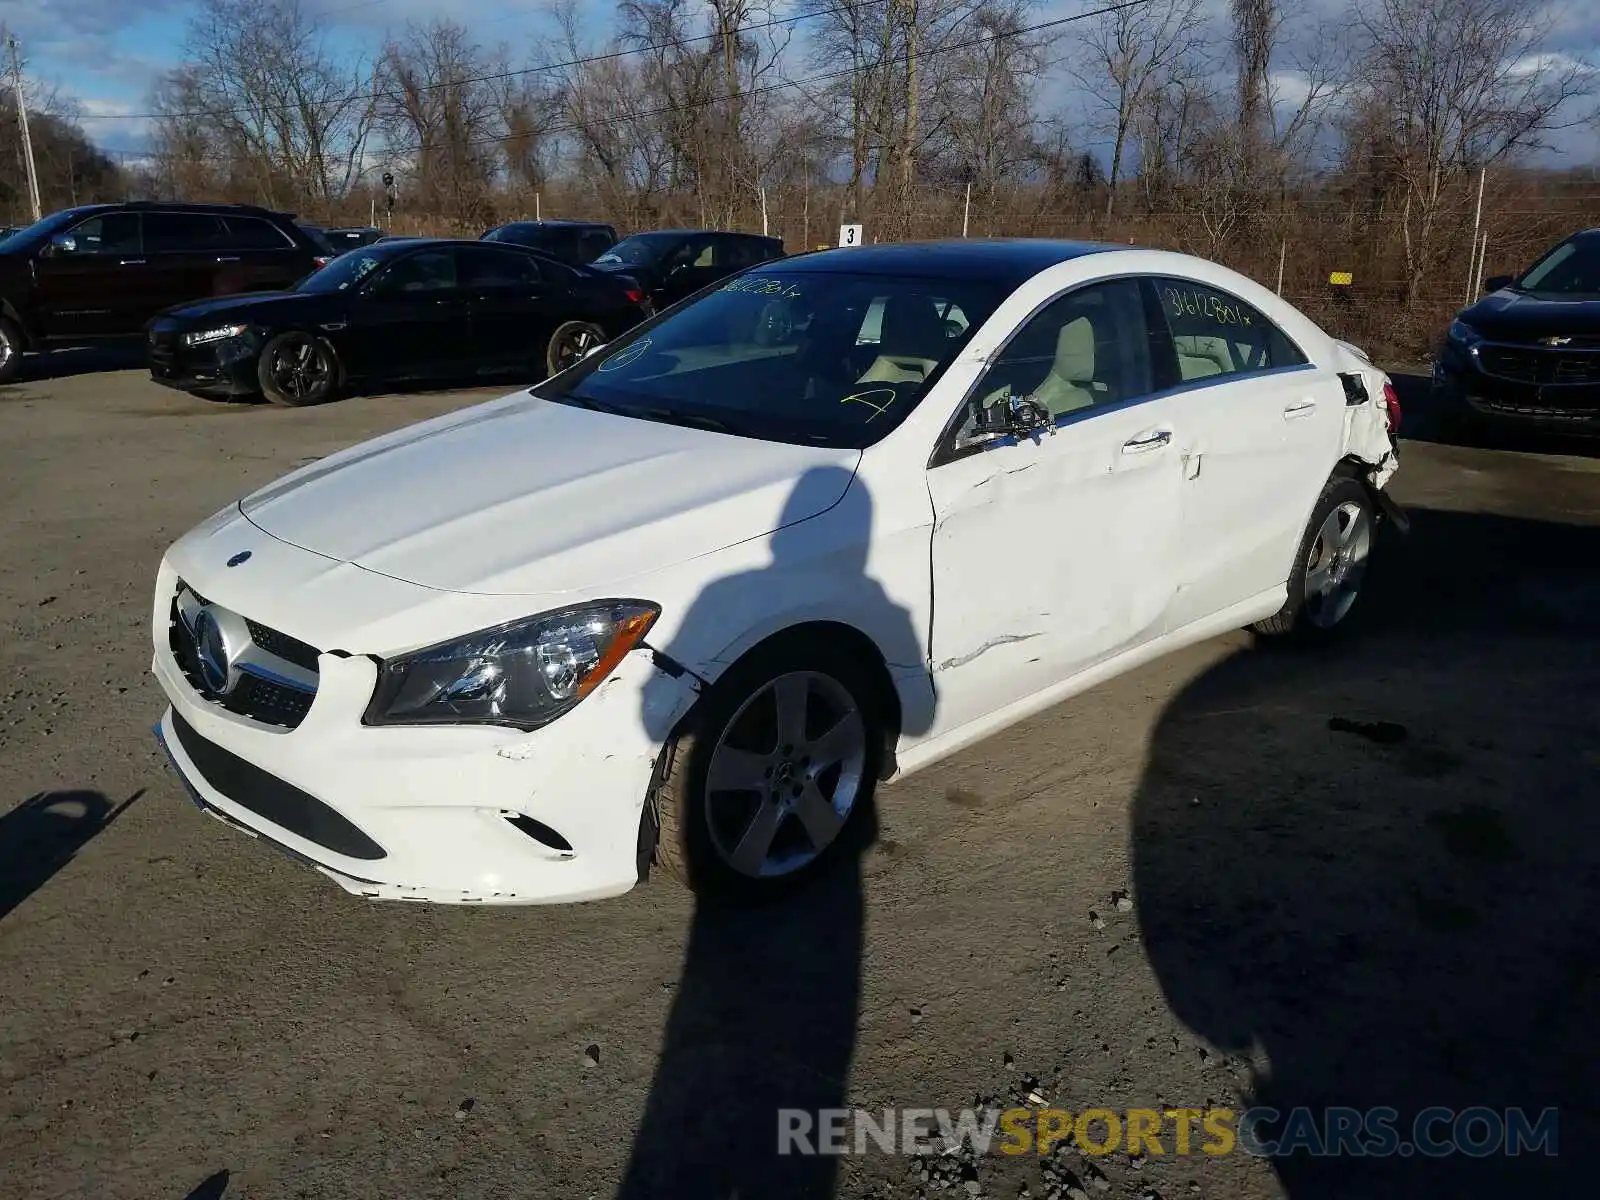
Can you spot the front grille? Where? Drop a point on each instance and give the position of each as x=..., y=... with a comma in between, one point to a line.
x=1541, y=366
x=284, y=646
x=255, y=697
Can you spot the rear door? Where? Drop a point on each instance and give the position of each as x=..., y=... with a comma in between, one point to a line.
x=1262, y=431
x=412, y=319
x=181, y=250
x=515, y=302
x=256, y=256
x=96, y=288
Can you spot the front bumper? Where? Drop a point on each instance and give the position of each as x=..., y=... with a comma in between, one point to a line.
x=225, y=368
x=434, y=814
x=1468, y=393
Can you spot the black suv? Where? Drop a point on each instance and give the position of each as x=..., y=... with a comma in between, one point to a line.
x=575, y=242
x=103, y=270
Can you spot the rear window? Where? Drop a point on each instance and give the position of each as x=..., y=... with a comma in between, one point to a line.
x=834, y=359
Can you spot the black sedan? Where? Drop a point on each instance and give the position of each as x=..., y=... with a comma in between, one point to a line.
x=670, y=264
x=406, y=309
x=1527, y=355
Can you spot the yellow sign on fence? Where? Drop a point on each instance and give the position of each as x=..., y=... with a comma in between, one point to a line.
x=1341, y=278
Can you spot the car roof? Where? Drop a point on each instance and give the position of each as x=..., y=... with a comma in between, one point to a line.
x=558, y=223
x=1003, y=260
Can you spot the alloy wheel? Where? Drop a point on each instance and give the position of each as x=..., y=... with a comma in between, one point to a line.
x=571, y=345
x=785, y=774
x=1337, y=564
x=300, y=369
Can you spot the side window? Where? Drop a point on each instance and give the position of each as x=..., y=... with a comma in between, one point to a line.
x=1216, y=334
x=705, y=253
x=423, y=272
x=593, y=244
x=112, y=233
x=498, y=270
x=1085, y=349
x=181, y=233
x=252, y=233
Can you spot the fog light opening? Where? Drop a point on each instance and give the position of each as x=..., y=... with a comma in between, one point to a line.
x=540, y=832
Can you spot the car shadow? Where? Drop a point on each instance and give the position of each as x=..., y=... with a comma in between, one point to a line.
x=42, y=834
x=1424, y=419
x=1370, y=875
x=213, y=1187
x=765, y=1012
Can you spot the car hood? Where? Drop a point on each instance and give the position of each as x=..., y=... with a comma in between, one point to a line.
x=526, y=496
x=1517, y=316
x=244, y=305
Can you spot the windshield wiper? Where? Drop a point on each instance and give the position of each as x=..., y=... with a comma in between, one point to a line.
x=672, y=416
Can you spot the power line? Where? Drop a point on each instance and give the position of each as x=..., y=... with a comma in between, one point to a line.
x=495, y=77
x=822, y=77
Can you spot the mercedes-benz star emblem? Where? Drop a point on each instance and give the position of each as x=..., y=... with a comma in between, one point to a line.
x=242, y=556
x=211, y=650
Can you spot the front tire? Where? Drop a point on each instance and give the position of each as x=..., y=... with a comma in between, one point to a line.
x=10, y=350
x=569, y=343
x=298, y=369
x=768, y=786
x=1331, y=565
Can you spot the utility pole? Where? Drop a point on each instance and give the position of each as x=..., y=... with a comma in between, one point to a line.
x=22, y=121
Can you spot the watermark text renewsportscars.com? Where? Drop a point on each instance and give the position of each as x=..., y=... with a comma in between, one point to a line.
x=1262, y=1132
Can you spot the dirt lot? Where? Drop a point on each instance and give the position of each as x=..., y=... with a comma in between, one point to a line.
x=1402, y=918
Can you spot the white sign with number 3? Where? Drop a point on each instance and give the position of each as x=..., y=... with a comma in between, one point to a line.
x=849, y=235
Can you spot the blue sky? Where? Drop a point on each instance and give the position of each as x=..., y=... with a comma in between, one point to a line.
x=103, y=55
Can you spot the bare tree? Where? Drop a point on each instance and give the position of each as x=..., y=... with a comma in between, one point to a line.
x=1126, y=59
x=1463, y=84
x=262, y=104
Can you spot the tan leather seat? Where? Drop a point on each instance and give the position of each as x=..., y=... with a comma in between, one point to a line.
x=1203, y=357
x=1070, y=385
x=911, y=342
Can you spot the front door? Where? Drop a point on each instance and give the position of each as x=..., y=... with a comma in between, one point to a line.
x=411, y=320
x=92, y=284
x=1052, y=552
x=1263, y=429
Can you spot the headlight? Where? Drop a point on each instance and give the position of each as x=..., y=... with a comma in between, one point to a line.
x=219, y=334
x=525, y=674
x=1463, y=334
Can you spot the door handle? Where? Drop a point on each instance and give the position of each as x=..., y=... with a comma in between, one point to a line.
x=228, y=258
x=1147, y=442
x=130, y=262
x=1300, y=408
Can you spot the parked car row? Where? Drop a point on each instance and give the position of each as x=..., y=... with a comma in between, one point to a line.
x=235, y=300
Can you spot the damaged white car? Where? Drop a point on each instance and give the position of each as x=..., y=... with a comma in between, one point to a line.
x=687, y=603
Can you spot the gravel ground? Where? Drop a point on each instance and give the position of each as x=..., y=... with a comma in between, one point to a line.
x=1394, y=909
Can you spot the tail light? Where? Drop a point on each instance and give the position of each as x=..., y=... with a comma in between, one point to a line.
x=321, y=260
x=634, y=295
x=1391, y=401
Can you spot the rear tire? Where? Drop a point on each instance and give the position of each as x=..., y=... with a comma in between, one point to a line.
x=569, y=343
x=1330, y=567
x=297, y=369
x=794, y=776
x=10, y=350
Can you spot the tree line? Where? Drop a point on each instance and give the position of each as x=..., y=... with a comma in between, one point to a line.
x=1250, y=137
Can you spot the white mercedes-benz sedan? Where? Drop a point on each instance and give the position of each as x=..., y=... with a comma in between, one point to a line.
x=687, y=603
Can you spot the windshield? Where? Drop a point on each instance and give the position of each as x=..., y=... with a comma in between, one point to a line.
x=27, y=236
x=343, y=273
x=640, y=250
x=1571, y=269
x=795, y=356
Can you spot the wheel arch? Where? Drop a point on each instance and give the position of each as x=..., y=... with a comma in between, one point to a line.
x=810, y=630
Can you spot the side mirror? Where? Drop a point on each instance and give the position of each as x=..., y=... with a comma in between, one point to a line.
x=1029, y=417
x=1495, y=282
